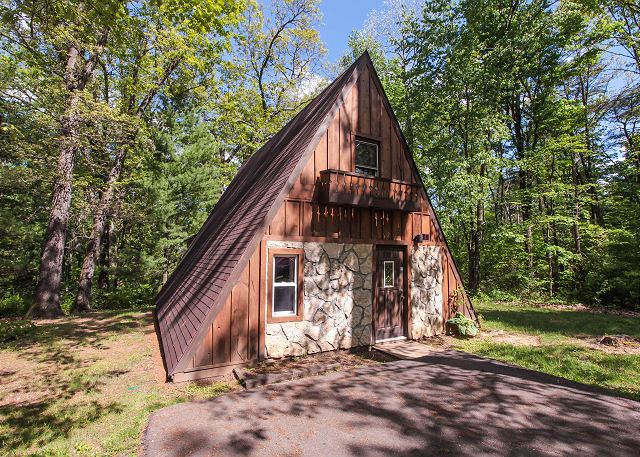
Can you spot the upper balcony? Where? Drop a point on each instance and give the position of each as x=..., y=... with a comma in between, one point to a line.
x=345, y=188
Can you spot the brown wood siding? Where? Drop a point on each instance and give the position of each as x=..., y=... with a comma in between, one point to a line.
x=233, y=333
x=233, y=336
x=362, y=115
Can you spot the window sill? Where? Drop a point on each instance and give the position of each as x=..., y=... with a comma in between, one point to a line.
x=283, y=319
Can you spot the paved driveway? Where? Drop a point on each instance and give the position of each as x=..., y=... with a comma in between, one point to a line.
x=447, y=403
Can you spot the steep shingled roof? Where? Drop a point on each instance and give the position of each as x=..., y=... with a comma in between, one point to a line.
x=196, y=290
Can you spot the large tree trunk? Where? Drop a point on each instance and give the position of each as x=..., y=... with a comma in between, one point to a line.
x=47, y=300
x=82, y=302
x=76, y=77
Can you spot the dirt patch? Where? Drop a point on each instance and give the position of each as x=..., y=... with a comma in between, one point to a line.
x=517, y=339
x=615, y=344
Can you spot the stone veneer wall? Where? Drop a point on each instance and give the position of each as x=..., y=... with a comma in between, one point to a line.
x=337, y=301
x=426, y=291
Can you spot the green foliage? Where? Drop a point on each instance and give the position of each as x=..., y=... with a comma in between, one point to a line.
x=12, y=304
x=517, y=130
x=463, y=325
x=12, y=330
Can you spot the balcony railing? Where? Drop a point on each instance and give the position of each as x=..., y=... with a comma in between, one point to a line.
x=351, y=189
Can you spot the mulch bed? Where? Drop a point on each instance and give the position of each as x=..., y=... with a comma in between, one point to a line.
x=287, y=369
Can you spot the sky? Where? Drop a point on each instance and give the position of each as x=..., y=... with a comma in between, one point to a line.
x=340, y=17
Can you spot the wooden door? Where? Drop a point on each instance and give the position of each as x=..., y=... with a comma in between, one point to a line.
x=389, y=298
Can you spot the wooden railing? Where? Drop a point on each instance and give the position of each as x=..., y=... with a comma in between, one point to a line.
x=352, y=189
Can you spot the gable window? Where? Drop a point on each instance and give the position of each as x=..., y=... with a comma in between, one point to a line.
x=285, y=285
x=366, y=158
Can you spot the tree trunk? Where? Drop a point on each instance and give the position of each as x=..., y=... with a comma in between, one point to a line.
x=47, y=300
x=474, y=251
x=82, y=302
x=103, y=277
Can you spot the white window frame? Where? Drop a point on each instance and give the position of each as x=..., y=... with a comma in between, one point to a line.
x=377, y=167
x=275, y=284
x=384, y=274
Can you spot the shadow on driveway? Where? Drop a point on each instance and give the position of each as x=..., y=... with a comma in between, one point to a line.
x=448, y=403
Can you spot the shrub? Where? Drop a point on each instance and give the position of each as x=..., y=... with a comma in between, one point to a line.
x=12, y=330
x=463, y=325
x=12, y=304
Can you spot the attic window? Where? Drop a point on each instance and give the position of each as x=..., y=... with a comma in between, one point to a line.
x=366, y=158
x=285, y=284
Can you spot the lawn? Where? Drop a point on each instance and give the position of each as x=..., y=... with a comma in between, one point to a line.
x=562, y=342
x=85, y=386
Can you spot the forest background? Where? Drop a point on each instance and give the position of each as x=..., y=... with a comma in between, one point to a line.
x=121, y=123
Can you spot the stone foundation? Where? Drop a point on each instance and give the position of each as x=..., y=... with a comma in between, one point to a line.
x=337, y=301
x=426, y=292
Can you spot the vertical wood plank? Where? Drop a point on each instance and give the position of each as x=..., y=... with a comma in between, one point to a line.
x=240, y=318
x=426, y=224
x=365, y=223
x=385, y=148
x=262, y=311
x=306, y=219
x=254, y=303
x=406, y=168
x=320, y=156
x=345, y=135
x=397, y=225
x=407, y=226
x=355, y=109
x=355, y=223
x=204, y=353
x=333, y=143
x=292, y=218
x=364, y=108
x=375, y=108
x=304, y=187
x=221, y=329
x=396, y=158
x=417, y=223
x=277, y=226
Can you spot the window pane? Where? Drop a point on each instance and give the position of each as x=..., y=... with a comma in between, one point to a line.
x=284, y=269
x=284, y=299
x=366, y=171
x=388, y=274
x=366, y=155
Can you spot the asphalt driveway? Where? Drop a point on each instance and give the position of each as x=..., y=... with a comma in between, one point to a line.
x=448, y=403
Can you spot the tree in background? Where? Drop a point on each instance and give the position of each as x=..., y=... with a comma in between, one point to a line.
x=510, y=114
x=163, y=50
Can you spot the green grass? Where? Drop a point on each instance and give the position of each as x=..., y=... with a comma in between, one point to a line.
x=563, y=351
x=85, y=386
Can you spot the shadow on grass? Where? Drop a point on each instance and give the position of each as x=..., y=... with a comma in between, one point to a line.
x=565, y=323
x=34, y=425
x=40, y=407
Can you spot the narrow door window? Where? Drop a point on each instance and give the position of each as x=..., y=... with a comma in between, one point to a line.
x=389, y=273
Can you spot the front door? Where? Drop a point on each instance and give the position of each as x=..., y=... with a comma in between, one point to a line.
x=389, y=296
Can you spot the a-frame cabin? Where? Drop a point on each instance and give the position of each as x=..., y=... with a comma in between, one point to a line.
x=325, y=239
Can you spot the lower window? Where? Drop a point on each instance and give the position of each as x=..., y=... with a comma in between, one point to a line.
x=285, y=295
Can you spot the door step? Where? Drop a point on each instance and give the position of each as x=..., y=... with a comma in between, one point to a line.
x=404, y=350
x=391, y=340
